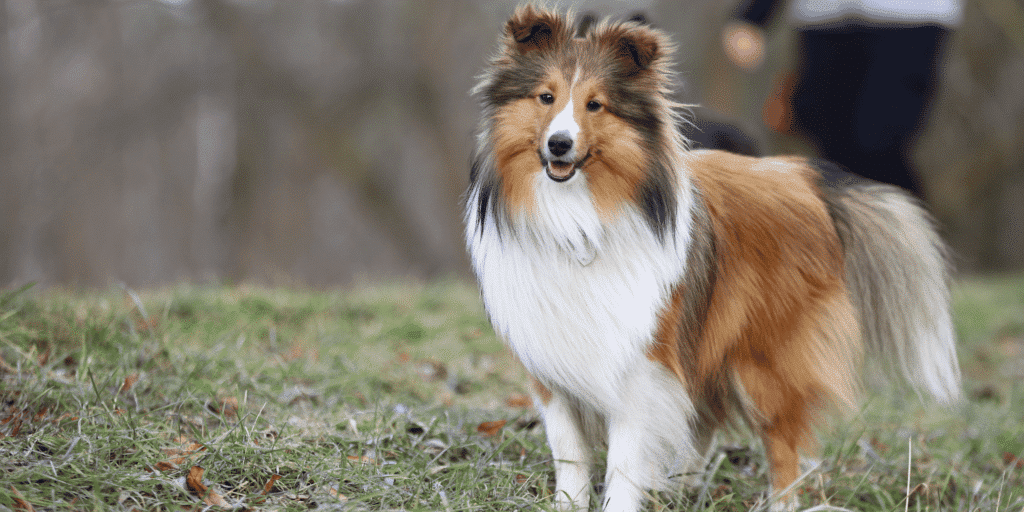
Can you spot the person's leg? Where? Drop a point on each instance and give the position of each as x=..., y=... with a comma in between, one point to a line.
x=893, y=105
x=831, y=72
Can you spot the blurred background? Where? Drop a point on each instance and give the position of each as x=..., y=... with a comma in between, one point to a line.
x=317, y=143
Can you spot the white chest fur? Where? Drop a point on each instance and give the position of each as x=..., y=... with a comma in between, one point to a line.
x=576, y=298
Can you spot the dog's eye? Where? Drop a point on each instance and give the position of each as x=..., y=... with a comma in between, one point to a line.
x=593, y=105
x=547, y=98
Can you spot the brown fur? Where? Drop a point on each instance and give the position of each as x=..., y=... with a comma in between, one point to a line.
x=779, y=332
x=517, y=130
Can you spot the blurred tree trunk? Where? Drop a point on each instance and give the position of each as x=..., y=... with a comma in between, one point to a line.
x=7, y=194
x=265, y=216
x=973, y=147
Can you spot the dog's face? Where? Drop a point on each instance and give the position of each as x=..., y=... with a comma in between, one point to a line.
x=586, y=114
x=563, y=125
x=575, y=120
x=567, y=105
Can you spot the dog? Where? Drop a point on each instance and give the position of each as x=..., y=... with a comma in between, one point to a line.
x=656, y=293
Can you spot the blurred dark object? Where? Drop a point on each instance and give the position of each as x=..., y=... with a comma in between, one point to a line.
x=863, y=94
x=706, y=130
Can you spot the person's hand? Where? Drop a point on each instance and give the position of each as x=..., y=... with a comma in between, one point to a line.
x=744, y=45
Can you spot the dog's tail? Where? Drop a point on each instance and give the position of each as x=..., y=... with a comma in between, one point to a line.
x=898, y=277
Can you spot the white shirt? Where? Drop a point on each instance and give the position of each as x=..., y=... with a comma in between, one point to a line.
x=815, y=12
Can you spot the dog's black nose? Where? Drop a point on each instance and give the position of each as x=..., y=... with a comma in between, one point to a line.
x=559, y=144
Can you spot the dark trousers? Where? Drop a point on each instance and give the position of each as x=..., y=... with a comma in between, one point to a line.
x=863, y=94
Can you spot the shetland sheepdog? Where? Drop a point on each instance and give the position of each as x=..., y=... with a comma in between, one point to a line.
x=655, y=293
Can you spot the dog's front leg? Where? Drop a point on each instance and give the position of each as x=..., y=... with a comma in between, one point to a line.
x=648, y=433
x=569, y=447
x=630, y=468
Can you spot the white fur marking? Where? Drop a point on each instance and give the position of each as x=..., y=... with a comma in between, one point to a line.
x=572, y=451
x=644, y=445
x=564, y=121
x=566, y=217
x=577, y=298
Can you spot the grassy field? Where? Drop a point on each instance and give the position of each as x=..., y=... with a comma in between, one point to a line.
x=399, y=397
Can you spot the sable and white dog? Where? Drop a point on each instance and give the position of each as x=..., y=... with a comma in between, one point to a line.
x=656, y=293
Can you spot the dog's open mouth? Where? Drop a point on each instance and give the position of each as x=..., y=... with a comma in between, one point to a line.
x=561, y=171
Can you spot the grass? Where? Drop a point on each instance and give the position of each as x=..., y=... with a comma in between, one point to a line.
x=399, y=397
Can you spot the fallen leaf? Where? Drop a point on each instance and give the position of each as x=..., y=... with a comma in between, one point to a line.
x=165, y=466
x=129, y=381
x=519, y=401
x=44, y=357
x=180, y=455
x=362, y=460
x=194, y=482
x=20, y=503
x=1009, y=458
x=270, y=485
x=228, y=406
x=66, y=417
x=721, y=491
x=214, y=499
x=490, y=428
x=334, y=492
x=879, y=446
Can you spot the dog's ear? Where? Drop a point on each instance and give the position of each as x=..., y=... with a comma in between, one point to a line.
x=637, y=48
x=586, y=24
x=531, y=29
